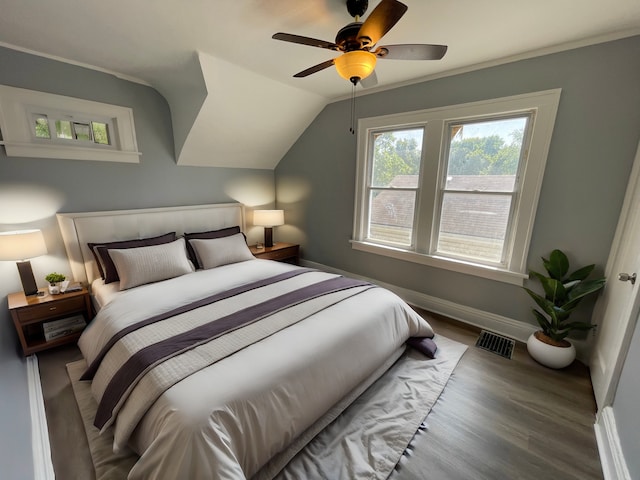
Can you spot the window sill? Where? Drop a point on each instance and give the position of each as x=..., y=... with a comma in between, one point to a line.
x=15, y=149
x=468, y=268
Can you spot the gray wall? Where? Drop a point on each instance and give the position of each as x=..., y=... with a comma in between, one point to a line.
x=625, y=406
x=593, y=146
x=33, y=190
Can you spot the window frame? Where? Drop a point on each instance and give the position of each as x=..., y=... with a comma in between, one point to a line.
x=514, y=194
x=369, y=183
x=543, y=106
x=18, y=107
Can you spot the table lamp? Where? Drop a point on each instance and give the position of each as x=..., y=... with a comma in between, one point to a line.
x=21, y=245
x=268, y=219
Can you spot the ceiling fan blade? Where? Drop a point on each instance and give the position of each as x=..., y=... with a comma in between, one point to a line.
x=370, y=81
x=312, y=42
x=314, y=69
x=411, y=51
x=380, y=21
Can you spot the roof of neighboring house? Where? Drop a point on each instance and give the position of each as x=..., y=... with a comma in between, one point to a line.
x=470, y=213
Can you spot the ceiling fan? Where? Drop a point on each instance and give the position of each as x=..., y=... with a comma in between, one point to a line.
x=357, y=42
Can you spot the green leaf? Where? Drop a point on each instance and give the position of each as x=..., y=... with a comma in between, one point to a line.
x=581, y=273
x=587, y=287
x=569, y=285
x=546, y=305
x=557, y=265
x=577, y=326
x=576, y=294
x=542, y=321
x=558, y=335
x=548, y=289
x=554, y=290
x=562, y=314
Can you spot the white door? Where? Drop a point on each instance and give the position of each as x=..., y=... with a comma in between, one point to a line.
x=617, y=309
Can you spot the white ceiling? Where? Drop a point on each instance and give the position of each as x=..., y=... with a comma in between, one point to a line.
x=152, y=40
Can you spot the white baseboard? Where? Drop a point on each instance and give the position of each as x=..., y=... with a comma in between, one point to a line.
x=490, y=321
x=614, y=466
x=42, y=464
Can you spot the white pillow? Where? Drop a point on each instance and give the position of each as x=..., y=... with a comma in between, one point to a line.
x=214, y=252
x=137, y=266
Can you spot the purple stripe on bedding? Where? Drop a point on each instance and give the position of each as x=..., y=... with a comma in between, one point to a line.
x=93, y=368
x=140, y=362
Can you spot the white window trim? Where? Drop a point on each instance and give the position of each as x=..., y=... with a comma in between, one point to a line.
x=18, y=104
x=544, y=104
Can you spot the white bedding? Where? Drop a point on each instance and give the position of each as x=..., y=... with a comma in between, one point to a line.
x=228, y=419
x=103, y=293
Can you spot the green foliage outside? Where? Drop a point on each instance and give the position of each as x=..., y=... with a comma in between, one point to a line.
x=42, y=128
x=394, y=156
x=100, y=133
x=63, y=130
x=470, y=156
x=485, y=155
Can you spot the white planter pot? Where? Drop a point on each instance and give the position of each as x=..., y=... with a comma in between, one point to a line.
x=54, y=289
x=550, y=356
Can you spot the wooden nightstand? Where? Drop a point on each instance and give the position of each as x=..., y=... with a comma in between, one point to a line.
x=282, y=252
x=30, y=313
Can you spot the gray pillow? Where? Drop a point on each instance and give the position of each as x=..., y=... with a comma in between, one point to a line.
x=424, y=345
x=223, y=232
x=138, y=266
x=101, y=252
x=213, y=253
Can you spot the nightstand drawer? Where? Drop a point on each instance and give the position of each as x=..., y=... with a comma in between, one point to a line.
x=51, y=309
x=282, y=253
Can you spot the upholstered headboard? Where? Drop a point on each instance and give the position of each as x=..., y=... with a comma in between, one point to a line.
x=79, y=229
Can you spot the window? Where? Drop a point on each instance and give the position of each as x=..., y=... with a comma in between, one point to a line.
x=455, y=187
x=476, y=200
x=393, y=189
x=44, y=125
x=71, y=129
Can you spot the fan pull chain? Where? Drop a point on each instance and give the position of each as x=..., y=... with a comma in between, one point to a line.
x=352, y=128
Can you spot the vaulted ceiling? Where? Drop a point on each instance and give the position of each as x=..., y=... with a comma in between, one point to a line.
x=233, y=99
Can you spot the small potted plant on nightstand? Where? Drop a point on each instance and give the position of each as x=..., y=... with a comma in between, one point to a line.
x=54, y=279
x=562, y=294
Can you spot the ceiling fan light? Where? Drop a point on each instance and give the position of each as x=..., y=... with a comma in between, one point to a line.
x=356, y=64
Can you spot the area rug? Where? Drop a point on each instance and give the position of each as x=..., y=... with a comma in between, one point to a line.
x=365, y=441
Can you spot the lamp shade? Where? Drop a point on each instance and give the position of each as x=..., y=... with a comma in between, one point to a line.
x=21, y=245
x=356, y=64
x=268, y=218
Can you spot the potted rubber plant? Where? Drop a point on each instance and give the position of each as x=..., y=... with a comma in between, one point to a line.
x=54, y=279
x=563, y=292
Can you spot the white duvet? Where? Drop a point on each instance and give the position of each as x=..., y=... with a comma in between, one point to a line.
x=229, y=419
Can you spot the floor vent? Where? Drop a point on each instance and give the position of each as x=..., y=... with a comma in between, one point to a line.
x=495, y=343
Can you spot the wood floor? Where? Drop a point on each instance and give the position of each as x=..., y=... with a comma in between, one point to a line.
x=506, y=419
x=496, y=419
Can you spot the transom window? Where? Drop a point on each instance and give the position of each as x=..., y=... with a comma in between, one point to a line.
x=455, y=187
x=44, y=125
x=60, y=127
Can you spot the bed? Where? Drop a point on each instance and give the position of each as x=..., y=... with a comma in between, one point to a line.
x=217, y=371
